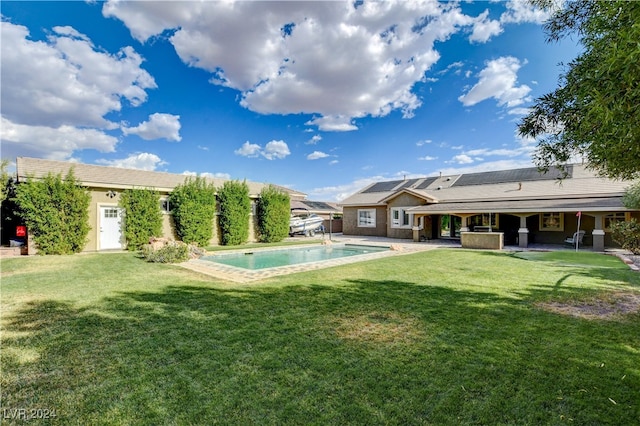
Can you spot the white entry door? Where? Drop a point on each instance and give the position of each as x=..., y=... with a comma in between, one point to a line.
x=110, y=228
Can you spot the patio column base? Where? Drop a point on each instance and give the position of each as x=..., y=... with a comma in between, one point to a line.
x=523, y=237
x=598, y=240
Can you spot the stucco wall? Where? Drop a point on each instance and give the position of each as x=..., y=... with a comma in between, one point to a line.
x=350, y=222
x=402, y=200
x=99, y=198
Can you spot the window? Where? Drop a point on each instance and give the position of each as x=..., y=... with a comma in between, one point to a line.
x=551, y=222
x=110, y=213
x=612, y=218
x=367, y=218
x=400, y=218
x=484, y=219
x=164, y=206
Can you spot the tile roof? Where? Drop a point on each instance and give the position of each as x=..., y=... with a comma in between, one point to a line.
x=120, y=178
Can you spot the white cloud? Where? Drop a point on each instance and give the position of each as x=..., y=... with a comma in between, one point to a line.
x=159, y=126
x=275, y=150
x=498, y=80
x=140, y=161
x=316, y=155
x=56, y=93
x=57, y=143
x=339, y=123
x=521, y=11
x=491, y=152
x=462, y=159
x=423, y=142
x=427, y=158
x=67, y=80
x=365, y=59
x=314, y=140
x=519, y=111
x=272, y=150
x=248, y=150
x=332, y=162
x=484, y=28
x=218, y=175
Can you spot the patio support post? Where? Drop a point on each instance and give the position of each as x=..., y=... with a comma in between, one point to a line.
x=416, y=228
x=598, y=234
x=523, y=233
x=464, y=227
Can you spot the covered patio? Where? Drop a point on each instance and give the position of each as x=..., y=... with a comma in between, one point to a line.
x=524, y=222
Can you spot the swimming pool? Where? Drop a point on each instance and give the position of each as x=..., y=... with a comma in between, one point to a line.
x=255, y=260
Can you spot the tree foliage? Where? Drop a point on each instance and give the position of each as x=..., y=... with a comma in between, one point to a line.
x=631, y=198
x=142, y=216
x=193, y=206
x=4, y=179
x=56, y=212
x=273, y=210
x=627, y=234
x=594, y=111
x=235, y=207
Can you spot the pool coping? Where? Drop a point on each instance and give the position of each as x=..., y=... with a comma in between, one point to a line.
x=242, y=275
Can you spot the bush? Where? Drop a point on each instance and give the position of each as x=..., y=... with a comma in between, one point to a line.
x=162, y=250
x=142, y=216
x=627, y=234
x=170, y=252
x=235, y=207
x=274, y=211
x=193, y=206
x=56, y=212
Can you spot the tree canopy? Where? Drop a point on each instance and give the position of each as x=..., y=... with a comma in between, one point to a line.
x=594, y=112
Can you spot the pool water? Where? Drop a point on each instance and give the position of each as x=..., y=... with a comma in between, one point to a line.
x=293, y=256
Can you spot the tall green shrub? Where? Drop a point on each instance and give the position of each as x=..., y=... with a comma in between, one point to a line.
x=56, y=212
x=193, y=206
x=142, y=216
x=235, y=207
x=273, y=210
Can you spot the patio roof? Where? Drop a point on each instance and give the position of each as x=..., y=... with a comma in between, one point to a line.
x=600, y=204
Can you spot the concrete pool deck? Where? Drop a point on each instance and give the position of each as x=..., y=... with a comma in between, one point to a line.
x=241, y=275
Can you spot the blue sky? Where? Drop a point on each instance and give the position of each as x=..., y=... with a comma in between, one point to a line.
x=321, y=97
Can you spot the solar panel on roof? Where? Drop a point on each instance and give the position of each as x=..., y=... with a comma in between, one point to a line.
x=382, y=186
x=516, y=175
x=318, y=205
x=426, y=183
x=408, y=183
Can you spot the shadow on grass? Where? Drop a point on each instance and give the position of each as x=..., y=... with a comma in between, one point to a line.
x=370, y=352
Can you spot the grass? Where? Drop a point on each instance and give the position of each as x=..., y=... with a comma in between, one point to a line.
x=440, y=337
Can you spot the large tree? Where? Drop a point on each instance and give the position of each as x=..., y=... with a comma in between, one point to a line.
x=595, y=111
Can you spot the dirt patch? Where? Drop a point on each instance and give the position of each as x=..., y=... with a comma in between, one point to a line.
x=376, y=327
x=608, y=306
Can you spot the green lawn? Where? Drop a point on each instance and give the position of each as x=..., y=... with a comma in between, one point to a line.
x=440, y=337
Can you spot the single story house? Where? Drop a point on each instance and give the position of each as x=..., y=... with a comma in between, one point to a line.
x=105, y=184
x=525, y=205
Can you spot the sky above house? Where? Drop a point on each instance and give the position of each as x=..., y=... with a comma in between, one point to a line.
x=321, y=97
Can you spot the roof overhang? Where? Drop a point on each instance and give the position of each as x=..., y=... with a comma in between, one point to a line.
x=603, y=204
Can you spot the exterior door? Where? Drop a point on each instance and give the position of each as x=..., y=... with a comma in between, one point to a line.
x=110, y=228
